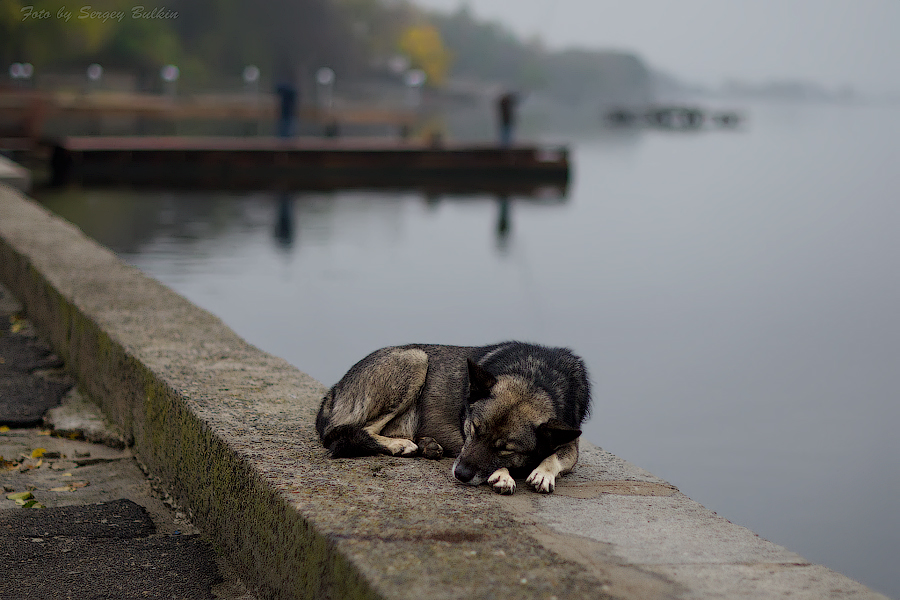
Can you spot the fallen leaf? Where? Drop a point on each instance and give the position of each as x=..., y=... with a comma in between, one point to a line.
x=71, y=487
x=4, y=428
x=33, y=504
x=38, y=452
x=23, y=496
x=30, y=463
x=63, y=465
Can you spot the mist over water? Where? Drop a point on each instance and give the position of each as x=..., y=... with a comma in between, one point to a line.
x=734, y=294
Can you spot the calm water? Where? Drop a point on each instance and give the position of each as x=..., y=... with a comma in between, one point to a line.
x=735, y=295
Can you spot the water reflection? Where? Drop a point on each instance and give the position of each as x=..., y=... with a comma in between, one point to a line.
x=284, y=221
x=137, y=223
x=503, y=222
x=286, y=212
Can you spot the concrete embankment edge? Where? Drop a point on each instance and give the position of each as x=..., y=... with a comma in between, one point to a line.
x=14, y=175
x=230, y=430
x=157, y=364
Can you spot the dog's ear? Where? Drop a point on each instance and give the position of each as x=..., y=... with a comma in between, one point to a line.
x=557, y=433
x=480, y=382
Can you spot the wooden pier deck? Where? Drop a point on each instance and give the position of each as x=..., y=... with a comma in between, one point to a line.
x=305, y=163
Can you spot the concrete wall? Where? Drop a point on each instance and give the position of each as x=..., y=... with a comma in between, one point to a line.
x=230, y=430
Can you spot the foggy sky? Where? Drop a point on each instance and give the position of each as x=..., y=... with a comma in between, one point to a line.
x=831, y=42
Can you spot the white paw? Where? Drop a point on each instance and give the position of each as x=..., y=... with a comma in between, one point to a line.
x=502, y=481
x=402, y=447
x=542, y=480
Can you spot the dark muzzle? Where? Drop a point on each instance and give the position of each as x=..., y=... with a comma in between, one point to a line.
x=463, y=472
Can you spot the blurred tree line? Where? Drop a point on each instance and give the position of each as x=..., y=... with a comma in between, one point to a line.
x=490, y=52
x=207, y=39
x=213, y=40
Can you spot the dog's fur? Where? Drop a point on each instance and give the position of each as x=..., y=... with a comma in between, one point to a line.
x=503, y=410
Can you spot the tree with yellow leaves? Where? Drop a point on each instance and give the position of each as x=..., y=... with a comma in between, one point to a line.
x=425, y=49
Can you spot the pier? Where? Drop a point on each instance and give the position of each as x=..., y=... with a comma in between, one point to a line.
x=676, y=117
x=304, y=163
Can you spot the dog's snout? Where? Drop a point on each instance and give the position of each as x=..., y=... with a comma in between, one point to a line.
x=463, y=472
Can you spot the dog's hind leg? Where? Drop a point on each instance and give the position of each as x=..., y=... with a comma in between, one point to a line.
x=394, y=386
x=393, y=445
x=543, y=478
x=380, y=394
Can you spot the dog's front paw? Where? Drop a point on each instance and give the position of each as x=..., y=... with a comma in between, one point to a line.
x=402, y=447
x=543, y=480
x=502, y=481
x=429, y=448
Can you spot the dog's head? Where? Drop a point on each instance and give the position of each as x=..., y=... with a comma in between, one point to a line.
x=507, y=422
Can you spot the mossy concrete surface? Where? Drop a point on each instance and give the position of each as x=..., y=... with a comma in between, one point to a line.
x=229, y=429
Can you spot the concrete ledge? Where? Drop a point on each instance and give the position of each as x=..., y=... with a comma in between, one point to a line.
x=230, y=430
x=14, y=175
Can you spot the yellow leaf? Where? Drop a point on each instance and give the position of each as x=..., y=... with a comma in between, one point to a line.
x=23, y=496
x=38, y=452
x=3, y=428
